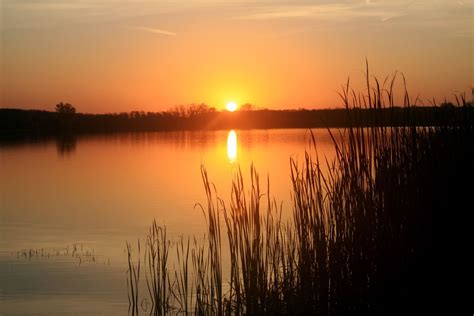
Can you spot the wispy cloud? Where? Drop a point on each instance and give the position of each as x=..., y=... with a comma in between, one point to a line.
x=416, y=11
x=49, y=6
x=332, y=11
x=297, y=11
x=390, y=17
x=153, y=30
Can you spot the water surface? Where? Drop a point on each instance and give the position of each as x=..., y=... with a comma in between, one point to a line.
x=68, y=205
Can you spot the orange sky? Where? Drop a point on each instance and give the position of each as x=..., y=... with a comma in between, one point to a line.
x=113, y=56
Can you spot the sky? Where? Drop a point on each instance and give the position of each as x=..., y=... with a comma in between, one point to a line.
x=107, y=56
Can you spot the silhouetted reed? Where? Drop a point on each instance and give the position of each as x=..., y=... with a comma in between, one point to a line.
x=133, y=279
x=183, y=281
x=157, y=277
x=360, y=236
x=214, y=286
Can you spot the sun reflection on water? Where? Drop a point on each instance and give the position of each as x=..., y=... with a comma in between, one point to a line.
x=232, y=146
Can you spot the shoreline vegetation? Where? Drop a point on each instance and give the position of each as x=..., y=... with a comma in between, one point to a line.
x=201, y=117
x=359, y=240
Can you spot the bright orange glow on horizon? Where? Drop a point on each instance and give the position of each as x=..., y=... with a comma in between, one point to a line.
x=183, y=52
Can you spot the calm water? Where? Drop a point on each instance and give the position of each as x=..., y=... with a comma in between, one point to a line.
x=68, y=205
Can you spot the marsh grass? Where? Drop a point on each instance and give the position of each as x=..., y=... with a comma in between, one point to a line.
x=82, y=254
x=133, y=279
x=360, y=237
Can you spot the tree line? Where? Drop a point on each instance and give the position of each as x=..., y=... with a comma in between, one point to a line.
x=65, y=118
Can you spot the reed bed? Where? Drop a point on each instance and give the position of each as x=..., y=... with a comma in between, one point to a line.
x=360, y=237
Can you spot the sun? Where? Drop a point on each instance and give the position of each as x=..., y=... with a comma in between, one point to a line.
x=231, y=106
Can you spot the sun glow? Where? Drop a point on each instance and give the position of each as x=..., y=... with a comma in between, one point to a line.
x=232, y=146
x=231, y=106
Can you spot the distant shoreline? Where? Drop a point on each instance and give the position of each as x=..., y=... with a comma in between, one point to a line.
x=50, y=123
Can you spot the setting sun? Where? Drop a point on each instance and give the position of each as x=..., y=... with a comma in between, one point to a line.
x=231, y=106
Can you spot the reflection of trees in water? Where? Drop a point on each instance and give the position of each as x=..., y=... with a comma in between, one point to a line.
x=66, y=145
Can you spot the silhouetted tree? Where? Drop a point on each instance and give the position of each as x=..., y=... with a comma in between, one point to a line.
x=186, y=111
x=65, y=108
x=247, y=107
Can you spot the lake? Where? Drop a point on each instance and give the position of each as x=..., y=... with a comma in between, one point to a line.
x=69, y=204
